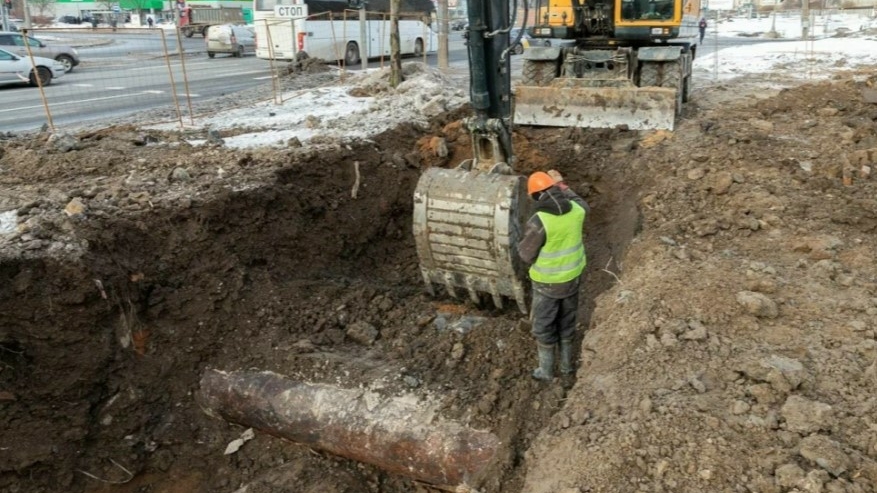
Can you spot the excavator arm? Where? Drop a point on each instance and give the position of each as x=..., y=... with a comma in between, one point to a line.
x=489, y=83
x=467, y=220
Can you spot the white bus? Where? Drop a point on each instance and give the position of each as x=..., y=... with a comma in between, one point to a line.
x=285, y=28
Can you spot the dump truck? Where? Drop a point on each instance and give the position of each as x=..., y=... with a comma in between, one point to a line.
x=195, y=19
x=620, y=63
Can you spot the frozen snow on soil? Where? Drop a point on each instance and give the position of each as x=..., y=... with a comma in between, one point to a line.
x=332, y=112
x=800, y=59
x=788, y=56
x=8, y=222
x=788, y=25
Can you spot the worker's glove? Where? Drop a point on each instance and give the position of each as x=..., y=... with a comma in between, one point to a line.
x=558, y=179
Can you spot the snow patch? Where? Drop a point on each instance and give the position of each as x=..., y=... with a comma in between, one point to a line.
x=8, y=222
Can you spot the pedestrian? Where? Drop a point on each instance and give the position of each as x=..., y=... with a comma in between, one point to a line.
x=553, y=247
x=149, y=21
x=702, y=27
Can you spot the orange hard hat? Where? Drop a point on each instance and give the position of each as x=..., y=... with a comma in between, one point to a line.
x=539, y=181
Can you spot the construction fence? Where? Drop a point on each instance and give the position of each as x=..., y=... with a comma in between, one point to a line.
x=157, y=73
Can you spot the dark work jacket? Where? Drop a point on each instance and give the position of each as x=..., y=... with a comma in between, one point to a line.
x=556, y=200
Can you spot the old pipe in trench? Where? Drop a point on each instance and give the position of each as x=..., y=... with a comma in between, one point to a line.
x=399, y=435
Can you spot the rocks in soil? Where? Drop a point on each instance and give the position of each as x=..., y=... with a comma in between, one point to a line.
x=805, y=416
x=362, y=332
x=757, y=304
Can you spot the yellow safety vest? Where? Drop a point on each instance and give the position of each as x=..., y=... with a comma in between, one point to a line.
x=562, y=257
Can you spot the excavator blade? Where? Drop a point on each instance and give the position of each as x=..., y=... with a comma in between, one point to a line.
x=466, y=227
x=638, y=108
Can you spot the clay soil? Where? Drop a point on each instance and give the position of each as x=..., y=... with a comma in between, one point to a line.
x=727, y=324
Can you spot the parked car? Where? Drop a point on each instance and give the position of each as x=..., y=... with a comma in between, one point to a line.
x=16, y=69
x=69, y=19
x=15, y=25
x=525, y=42
x=65, y=54
x=230, y=38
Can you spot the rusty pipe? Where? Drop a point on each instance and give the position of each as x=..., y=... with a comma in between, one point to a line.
x=396, y=434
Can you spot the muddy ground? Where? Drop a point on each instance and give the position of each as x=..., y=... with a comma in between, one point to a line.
x=727, y=328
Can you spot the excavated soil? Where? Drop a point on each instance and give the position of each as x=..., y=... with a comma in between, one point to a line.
x=727, y=328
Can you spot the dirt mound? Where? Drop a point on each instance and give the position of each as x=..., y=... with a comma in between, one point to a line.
x=730, y=299
x=737, y=351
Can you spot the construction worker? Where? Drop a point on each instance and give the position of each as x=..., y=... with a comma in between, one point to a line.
x=554, y=248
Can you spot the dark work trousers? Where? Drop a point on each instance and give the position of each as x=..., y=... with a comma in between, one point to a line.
x=553, y=319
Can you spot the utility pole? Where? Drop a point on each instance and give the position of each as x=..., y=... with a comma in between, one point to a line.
x=443, y=34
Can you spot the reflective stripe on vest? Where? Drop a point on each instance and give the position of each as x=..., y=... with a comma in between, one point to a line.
x=562, y=257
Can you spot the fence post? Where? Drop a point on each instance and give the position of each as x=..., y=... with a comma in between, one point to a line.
x=36, y=76
x=274, y=75
x=185, y=80
x=170, y=73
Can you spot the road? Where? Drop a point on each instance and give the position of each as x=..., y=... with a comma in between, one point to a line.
x=125, y=72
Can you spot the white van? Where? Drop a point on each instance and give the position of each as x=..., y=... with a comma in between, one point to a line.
x=230, y=38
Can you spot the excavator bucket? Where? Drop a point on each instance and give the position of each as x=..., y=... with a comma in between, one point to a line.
x=466, y=227
x=569, y=105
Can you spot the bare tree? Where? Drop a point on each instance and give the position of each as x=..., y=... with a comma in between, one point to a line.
x=395, y=45
x=139, y=6
x=44, y=8
x=105, y=4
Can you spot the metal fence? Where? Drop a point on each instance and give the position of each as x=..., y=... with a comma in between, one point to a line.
x=159, y=73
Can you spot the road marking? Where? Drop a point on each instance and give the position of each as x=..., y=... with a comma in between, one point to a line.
x=65, y=103
x=114, y=88
x=173, y=65
x=239, y=73
x=263, y=78
x=146, y=67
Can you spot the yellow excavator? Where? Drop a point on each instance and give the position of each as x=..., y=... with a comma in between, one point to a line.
x=621, y=63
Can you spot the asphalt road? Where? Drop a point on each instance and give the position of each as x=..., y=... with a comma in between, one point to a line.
x=125, y=72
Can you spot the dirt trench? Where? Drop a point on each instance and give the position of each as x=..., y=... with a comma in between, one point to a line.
x=102, y=352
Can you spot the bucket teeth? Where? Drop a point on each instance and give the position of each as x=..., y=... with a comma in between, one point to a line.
x=466, y=224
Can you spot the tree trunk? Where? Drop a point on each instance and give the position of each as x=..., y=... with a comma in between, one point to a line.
x=443, y=23
x=395, y=45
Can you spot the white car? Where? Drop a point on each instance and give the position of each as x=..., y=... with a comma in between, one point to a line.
x=16, y=69
x=229, y=38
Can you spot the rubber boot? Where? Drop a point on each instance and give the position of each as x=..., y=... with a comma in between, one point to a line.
x=566, y=367
x=546, y=362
